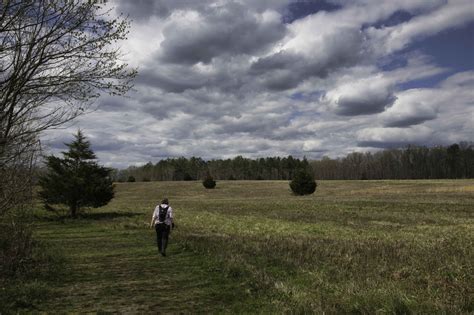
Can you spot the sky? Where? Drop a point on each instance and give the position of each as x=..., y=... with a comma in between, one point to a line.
x=217, y=79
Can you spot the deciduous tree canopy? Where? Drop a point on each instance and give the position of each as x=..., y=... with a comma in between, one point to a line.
x=412, y=162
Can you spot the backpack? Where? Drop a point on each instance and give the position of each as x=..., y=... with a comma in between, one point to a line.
x=162, y=213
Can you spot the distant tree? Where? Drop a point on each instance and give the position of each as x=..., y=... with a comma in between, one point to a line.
x=303, y=183
x=209, y=182
x=76, y=180
x=453, y=159
x=131, y=179
x=187, y=177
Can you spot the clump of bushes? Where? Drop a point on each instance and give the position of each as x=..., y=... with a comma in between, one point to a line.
x=27, y=268
x=131, y=179
x=15, y=247
x=209, y=182
x=303, y=183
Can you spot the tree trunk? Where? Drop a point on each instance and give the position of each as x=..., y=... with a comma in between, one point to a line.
x=73, y=209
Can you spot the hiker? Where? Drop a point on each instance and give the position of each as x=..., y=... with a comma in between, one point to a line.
x=162, y=219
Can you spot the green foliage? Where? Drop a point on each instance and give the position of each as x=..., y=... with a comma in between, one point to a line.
x=34, y=282
x=76, y=180
x=238, y=168
x=209, y=182
x=412, y=162
x=131, y=179
x=303, y=183
x=15, y=247
x=26, y=264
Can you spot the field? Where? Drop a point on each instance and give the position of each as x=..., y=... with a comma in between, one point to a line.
x=253, y=247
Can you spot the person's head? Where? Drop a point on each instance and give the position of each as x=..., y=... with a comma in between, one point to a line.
x=165, y=201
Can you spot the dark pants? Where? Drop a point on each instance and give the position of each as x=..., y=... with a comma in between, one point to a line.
x=162, y=233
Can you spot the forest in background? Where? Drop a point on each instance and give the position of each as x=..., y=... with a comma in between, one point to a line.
x=411, y=162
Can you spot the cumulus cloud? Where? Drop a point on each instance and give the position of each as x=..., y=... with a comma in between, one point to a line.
x=313, y=146
x=223, y=78
x=286, y=69
x=366, y=96
x=394, y=137
x=410, y=109
x=191, y=37
x=452, y=14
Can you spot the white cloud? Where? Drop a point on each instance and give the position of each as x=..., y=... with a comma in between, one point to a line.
x=454, y=14
x=410, y=109
x=226, y=78
x=387, y=137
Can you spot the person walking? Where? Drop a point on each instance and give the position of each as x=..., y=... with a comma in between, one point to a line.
x=162, y=220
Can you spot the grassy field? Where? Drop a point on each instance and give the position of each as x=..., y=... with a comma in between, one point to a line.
x=253, y=247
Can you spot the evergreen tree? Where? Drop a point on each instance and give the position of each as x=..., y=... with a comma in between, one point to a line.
x=76, y=180
x=209, y=182
x=303, y=183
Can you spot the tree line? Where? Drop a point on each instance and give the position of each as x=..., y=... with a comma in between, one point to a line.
x=196, y=168
x=411, y=162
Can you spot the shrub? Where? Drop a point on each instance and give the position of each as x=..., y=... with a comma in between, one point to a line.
x=15, y=248
x=131, y=179
x=303, y=183
x=209, y=182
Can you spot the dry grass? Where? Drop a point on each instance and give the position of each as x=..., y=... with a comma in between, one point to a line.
x=353, y=247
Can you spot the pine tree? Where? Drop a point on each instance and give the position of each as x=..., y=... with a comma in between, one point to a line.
x=303, y=183
x=76, y=180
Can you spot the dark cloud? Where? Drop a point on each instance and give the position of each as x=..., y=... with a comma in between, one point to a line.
x=175, y=80
x=113, y=103
x=410, y=121
x=108, y=146
x=364, y=104
x=219, y=30
x=255, y=125
x=300, y=9
x=285, y=69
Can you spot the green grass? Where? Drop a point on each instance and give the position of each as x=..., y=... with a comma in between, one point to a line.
x=253, y=247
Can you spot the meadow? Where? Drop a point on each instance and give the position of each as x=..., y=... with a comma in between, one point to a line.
x=253, y=247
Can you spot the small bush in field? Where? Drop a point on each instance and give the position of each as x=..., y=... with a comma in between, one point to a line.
x=303, y=183
x=209, y=182
x=131, y=179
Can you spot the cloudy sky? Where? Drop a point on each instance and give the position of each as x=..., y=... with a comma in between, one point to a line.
x=278, y=77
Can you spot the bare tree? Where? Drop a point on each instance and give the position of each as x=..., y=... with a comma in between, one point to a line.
x=56, y=58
